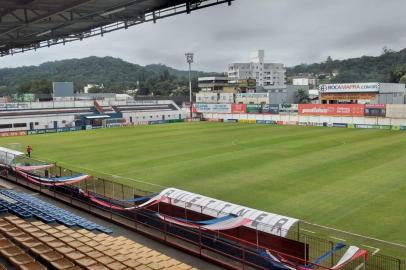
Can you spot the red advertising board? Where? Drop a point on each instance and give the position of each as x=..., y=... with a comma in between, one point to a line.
x=375, y=106
x=332, y=109
x=13, y=133
x=238, y=108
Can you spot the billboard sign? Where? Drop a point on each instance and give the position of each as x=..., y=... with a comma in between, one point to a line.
x=332, y=109
x=14, y=106
x=288, y=108
x=378, y=110
x=13, y=133
x=213, y=108
x=270, y=108
x=349, y=88
x=254, y=108
x=348, y=96
x=252, y=95
x=387, y=127
x=238, y=108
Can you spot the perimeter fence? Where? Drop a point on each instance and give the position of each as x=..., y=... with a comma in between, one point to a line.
x=317, y=240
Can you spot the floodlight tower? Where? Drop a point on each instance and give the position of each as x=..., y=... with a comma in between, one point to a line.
x=189, y=60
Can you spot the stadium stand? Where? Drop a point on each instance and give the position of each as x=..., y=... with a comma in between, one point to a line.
x=36, y=245
x=84, y=114
x=27, y=206
x=46, y=112
x=145, y=108
x=30, y=243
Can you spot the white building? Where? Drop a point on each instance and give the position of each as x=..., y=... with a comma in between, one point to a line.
x=311, y=82
x=267, y=75
x=90, y=86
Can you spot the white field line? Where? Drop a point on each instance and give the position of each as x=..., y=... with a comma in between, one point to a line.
x=358, y=235
x=339, y=239
x=374, y=248
x=360, y=266
x=307, y=230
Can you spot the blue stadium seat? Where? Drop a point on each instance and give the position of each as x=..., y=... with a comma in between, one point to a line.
x=27, y=206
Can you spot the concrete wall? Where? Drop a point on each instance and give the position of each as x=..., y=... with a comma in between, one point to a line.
x=311, y=119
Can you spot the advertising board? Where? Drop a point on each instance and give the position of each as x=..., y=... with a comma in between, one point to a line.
x=348, y=96
x=13, y=133
x=213, y=108
x=247, y=121
x=238, y=108
x=375, y=110
x=349, y=88
x=270, y=108
x=254, y=108
x=288, y=108
x=332, y=109
x=340, y=125
x=374, y=126
x=267, y=122
x=14, y=106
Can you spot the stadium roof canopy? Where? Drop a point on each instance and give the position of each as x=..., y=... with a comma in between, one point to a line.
x=32, y=24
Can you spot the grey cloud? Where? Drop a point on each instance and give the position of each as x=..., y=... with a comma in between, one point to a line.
x=291, y=32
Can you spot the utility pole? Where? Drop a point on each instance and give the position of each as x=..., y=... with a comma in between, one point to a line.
x=189, y=60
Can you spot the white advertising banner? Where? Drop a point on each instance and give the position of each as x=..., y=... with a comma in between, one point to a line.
x=349, y=88
x=213, y=108
x=263, y=221
x=14, y=106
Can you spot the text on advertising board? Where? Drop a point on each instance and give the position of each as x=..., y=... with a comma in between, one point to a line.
x=349, y=88
x=332, y=109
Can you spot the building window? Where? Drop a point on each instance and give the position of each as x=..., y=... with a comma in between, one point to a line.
x=36, y=123
x=6, y=126
x=19, y=125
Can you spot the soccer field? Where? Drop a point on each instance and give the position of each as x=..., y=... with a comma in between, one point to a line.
x=349, y=179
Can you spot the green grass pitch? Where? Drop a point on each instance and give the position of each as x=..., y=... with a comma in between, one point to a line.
x=349, y=179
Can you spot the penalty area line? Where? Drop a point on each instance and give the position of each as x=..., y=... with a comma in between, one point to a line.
x=339, y=239
x=376, y=249
x=360, y=266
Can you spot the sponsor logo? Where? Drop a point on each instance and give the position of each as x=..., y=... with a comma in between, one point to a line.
x=349, y=87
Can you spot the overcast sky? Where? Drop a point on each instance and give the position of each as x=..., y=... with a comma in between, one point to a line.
x=290, y=32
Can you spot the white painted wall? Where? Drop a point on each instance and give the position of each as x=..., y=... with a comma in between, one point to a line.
x=312, y=119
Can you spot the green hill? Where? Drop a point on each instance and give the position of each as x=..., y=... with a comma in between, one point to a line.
x=388, y=67
x=114, y=73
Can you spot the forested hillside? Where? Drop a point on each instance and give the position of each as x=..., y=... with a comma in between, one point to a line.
x=388, y=67
x=115, y=74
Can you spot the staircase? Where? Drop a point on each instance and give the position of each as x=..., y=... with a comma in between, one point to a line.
x=98, y=107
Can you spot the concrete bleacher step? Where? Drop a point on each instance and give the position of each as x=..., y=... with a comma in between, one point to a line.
x=60, y=247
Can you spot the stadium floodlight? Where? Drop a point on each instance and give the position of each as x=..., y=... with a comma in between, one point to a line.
x=107, y=13
x=44, y=33
x=189, y=60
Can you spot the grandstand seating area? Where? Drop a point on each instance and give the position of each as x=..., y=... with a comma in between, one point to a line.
x=28, y=243
x=27, y=206
x=35, y=112
x=145, y=108
x=36, y=245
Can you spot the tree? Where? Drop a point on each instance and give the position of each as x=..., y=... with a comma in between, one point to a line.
x=403, y=79
x=386, y=50
x=95, y=89
x=4, y=91
x=302, y=96
x=397, y=74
